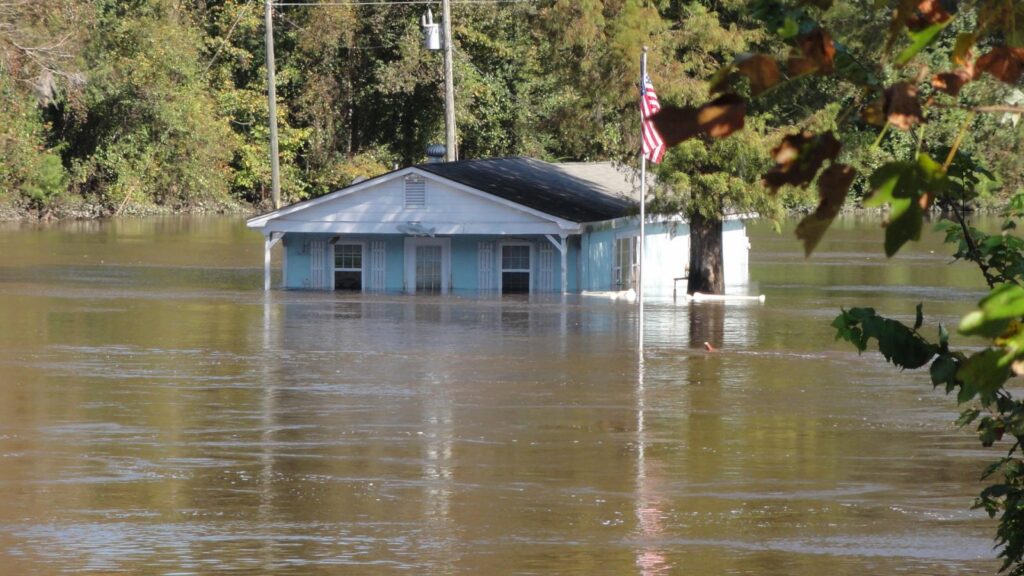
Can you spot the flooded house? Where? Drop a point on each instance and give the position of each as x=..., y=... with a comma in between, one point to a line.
x=497, y=225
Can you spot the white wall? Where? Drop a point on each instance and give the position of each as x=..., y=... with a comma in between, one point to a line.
x=666, y=256
x=735, y=253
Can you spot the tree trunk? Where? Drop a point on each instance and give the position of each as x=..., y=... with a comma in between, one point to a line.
x=705, y=256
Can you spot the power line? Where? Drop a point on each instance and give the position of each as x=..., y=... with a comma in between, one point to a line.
x=243, y=12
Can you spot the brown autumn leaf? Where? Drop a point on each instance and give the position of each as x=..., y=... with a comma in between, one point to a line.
x=951, y=82
x=815, y=53
x=901, y=106
x=676, y=124
x=799, y=157
x=833, y=186
x=925, y=13
x=1004, y=62
x=762, y=70
x=722, y=116
x=800, y=66
x=717, y=119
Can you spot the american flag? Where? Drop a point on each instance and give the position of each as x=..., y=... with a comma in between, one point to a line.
x=654, y=146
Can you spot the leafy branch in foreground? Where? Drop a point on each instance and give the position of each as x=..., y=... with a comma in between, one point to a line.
x=970, y=45
x=897, y=90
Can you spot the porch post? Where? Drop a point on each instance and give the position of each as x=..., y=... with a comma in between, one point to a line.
x=268, y=243
x=563, y=246
x=564, y=249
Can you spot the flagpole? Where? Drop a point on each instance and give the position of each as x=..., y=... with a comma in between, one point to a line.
x=643, y=201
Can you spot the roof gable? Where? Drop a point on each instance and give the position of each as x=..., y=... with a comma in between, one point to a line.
x=525, y=185
x=380, y=206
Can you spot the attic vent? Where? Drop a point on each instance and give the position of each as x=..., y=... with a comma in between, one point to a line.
x=415, y=192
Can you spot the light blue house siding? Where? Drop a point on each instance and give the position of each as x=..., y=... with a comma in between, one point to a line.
x=464, y=270
x=590, y=258
x=666, y=246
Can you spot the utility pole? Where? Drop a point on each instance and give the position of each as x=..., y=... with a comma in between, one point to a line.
x=275, y=169
x=451, y=147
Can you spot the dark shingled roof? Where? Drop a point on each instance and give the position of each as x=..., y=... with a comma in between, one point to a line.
x=536, y=184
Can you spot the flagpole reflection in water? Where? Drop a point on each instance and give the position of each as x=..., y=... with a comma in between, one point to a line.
x=649, y=558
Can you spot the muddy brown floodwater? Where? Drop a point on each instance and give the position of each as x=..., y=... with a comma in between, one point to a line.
x=159, y=414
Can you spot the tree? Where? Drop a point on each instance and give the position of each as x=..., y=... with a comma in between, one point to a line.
x=927, y=87
x=39, y=69
x=152, y=132
x=707, y=180
x=706, y=177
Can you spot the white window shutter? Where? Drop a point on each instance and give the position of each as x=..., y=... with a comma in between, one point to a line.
x=546, y=268
x=318, y=264
x=378, y=252
x=485, y=255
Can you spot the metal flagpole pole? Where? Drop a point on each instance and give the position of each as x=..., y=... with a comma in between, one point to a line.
x=643, y=201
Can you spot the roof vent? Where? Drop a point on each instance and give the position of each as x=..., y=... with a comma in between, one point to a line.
x=435, y=153
x=415, y=192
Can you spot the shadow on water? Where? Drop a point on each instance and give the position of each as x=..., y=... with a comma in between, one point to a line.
x=161, y=414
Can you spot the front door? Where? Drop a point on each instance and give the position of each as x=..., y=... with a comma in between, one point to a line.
x=515, y=268
x=427, y=265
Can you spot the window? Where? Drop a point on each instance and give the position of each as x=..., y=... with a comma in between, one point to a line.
x=348, y=267
x=515, y=269
x=415, y=192
x=624, y=267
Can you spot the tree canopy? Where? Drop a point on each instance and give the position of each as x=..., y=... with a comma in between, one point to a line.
x=161, y=102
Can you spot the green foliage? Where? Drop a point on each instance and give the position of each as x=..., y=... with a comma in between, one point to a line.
x=919, y=40
x=47, y=182
x=28, y=169
x=901, y=346
x=154, y=101
x=156, y=133
x=907, y=187
x=716, y=178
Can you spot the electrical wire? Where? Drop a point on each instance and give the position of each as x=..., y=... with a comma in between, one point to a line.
x=241, y=14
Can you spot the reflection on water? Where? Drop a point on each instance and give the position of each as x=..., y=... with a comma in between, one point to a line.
x=160, y=414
